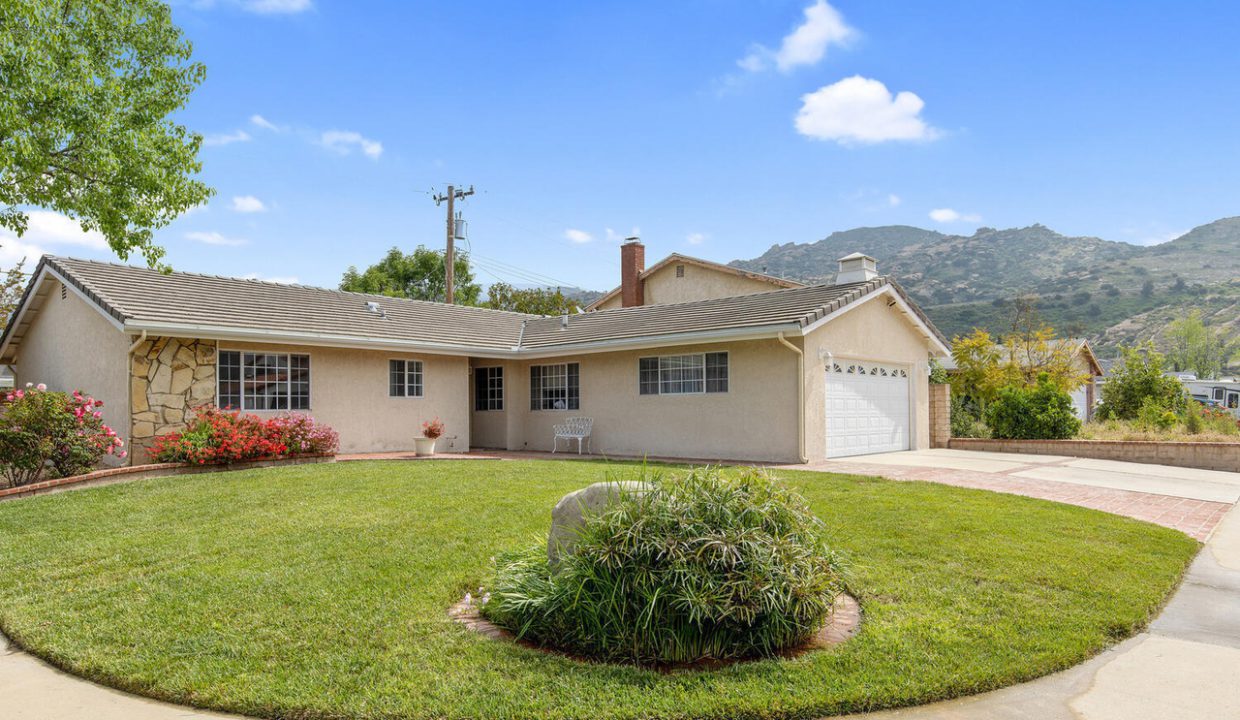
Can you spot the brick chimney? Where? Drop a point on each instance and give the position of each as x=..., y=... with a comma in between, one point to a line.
x=632, y=264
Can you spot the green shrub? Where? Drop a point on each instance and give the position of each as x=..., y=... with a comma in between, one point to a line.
x=702, y=565
x=1043, y=412
x=966, y=419
x=1153, y=416
x=1194, y=424
x=1139, y=377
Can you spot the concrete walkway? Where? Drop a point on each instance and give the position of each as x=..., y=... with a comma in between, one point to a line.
x=1186, y=667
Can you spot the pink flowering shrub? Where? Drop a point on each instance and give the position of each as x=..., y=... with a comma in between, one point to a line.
x=53, y=433
x=302, y=436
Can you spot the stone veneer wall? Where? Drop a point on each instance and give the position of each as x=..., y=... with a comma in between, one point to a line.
x=940, y=415
x=168, y=378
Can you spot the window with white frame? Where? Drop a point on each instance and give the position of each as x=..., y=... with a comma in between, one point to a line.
x=489, y=388
x=262, y=381
x=405, y=378
x=555, y=387
x=1218, y=393
x=683, y=374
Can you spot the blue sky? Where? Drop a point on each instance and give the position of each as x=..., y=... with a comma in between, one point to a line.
x=713, y=128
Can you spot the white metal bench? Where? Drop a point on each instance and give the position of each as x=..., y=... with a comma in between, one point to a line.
x=575, y=428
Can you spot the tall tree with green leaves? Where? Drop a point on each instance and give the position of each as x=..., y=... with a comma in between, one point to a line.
x=89, y=87
x=12, y=283
x=418, y=275
x=533, y=301
x=1198, y=348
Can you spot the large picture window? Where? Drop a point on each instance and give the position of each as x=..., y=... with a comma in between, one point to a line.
x=489, y=388
x=683, y=374
x=555, y=387
x=262, y=381
x=405, y=378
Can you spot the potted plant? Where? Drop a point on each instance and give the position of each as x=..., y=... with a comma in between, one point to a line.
x=431, y=430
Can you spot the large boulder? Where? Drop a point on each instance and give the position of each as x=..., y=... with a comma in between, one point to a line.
x=571, y=511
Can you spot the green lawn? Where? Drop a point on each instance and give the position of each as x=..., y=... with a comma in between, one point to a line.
x=320, y=591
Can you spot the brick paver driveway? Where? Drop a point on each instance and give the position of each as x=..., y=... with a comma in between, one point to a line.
x=1189, y=500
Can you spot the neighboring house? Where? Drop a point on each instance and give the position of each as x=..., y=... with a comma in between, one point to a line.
x=679, y=278
x=1087, y=396
x=791, y=375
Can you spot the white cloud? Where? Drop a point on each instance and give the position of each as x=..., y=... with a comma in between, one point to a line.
x=264, y=123
x=695, y=238
x=282, y=279
x=344, y=141
x=247, y=204
x=276, y=7
x=579, y=237
x=214, y=238
x=948, y=215
x=894, y=200
x=805, y=45
x=226, y=138
x=859, y=110
x=46, y=232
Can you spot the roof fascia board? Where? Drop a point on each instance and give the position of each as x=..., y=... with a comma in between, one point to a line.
x=887, y=291
x=637, y=343
x=655, y=341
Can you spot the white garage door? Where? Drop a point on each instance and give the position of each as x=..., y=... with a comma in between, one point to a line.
x=867, y=408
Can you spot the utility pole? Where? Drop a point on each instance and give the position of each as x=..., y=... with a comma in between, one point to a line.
x=449, y=258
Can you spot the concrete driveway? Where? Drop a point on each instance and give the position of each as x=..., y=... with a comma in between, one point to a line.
x=1192, y=501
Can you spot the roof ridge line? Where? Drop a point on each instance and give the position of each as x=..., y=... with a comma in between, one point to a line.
x=273, y=283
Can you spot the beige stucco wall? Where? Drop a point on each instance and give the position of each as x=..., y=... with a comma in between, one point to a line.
x=870, y=331
x=755, y=420
x=699, y=283
x=71, y=346
x=349, y=391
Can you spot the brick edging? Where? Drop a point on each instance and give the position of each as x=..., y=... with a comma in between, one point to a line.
x=139, y=472
x=1201, y=455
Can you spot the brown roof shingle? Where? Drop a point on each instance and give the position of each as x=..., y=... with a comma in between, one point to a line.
x=205, y=303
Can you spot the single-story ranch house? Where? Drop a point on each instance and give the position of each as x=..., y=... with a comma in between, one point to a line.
x=788, y=374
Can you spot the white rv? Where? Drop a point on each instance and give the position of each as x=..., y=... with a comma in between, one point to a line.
x=1224, y=392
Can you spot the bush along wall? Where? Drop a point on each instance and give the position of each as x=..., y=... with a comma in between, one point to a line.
x=1043, y=412
x=217, y=436
x=52, y=434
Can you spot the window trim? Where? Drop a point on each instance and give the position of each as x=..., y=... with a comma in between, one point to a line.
x=406, y=396
x=705, y=379
x=503, y=389
x=567, y=396
x=219, y=350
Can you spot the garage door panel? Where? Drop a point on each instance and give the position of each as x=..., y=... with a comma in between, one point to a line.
x=867, y=408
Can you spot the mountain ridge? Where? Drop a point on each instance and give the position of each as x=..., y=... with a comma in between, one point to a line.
x=1082, y=283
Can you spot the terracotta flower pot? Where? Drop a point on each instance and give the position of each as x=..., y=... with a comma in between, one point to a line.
x=425, y=445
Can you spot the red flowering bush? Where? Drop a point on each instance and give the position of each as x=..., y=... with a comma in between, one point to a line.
x=220, y=437
x=53, y=433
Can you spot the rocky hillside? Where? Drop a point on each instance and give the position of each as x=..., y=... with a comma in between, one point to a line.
x=1108, y=291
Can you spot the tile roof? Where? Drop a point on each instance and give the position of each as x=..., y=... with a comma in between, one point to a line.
x=138, y=297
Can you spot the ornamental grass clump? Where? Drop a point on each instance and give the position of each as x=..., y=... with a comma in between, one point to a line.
x=700, y=566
